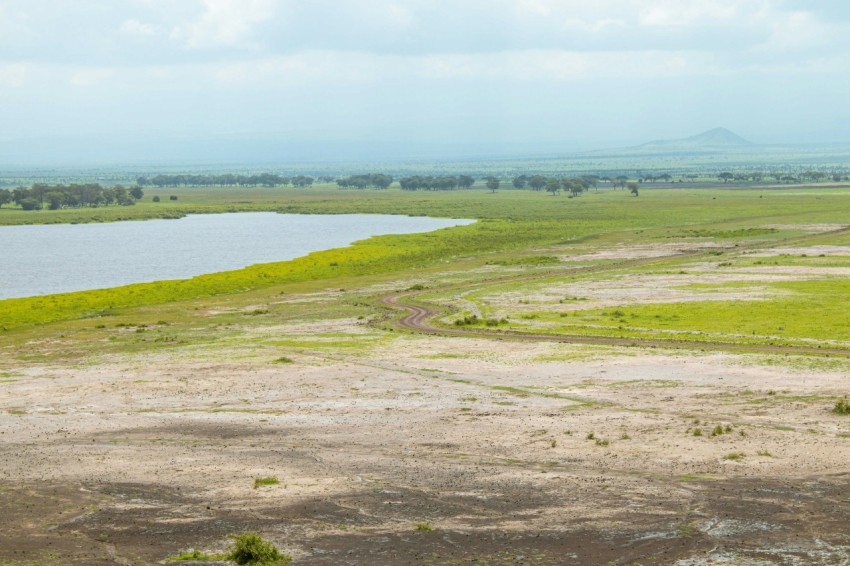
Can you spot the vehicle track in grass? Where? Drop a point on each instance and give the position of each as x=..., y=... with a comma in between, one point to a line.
x=420, y=314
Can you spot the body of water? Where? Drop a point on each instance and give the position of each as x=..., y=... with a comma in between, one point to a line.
x=57, y=258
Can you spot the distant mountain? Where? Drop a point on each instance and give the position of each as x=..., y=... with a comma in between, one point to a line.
x=718, y=138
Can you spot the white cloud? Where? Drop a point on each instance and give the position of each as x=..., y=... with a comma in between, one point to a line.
x=135, y=27
x=228, y=23
x=670, y=13
x=90, y=77
x=801, y=31
x=559, y=66
x=14, y=74
x=594, y=26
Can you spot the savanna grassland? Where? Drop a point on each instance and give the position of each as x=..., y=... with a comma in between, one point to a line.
x=594, y=380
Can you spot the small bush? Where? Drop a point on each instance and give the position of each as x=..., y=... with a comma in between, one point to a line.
x=602, y=442
x=156, y=199
x=172, y=197
x=697, y=432
x=842, y=407
x=467, y=320
x=265, y=481
x=417, y=287
x=284, y=360
x=734, y=456
x=250, y=548
x=425, y=527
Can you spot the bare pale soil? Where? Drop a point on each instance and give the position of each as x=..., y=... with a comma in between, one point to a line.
x=136, y=459
x=511, y=452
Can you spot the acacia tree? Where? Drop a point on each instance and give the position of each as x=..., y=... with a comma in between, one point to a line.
x=5, y=197
x=553, y=186
x=465, y=181
x=492, y=184
x=537, y=182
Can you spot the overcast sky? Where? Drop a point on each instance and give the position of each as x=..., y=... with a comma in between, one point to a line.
x=544, y=73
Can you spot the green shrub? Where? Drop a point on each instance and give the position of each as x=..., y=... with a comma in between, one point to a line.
x=424, y=527
x=250, y=548
x=842, y=407
x=467, y=320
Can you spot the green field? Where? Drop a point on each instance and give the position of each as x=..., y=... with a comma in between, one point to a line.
x=517, y=232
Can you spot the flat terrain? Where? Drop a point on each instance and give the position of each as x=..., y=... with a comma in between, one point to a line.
x=692, y=423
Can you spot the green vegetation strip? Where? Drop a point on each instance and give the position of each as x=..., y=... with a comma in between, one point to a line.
x=510, y=220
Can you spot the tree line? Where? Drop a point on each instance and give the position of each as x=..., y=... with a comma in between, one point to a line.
x=54, y=197
x=440, y=183
x=371, y=180
x=228, y=180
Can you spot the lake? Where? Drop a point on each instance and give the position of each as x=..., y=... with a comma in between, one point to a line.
x=57, y=258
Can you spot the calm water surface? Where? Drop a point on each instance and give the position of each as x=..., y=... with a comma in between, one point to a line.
x=57, y=258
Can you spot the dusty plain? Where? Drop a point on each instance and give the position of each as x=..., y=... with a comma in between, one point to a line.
x=130, y=441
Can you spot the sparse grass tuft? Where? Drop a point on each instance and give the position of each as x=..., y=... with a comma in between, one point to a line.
x=734, y=456
x=271, y=480
x=195, y=555
x=425, y=527
x=284, y=360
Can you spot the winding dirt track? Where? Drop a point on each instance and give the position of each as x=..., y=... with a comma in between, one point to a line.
x=419, y=314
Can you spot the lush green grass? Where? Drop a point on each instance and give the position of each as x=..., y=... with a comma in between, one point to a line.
x=816, y=309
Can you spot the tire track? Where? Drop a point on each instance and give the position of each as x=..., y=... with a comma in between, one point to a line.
x=418, y=316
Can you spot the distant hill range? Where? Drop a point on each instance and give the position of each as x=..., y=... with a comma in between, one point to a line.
x=716, y=140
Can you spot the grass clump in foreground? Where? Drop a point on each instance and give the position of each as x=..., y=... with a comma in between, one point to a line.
x=842, y=407
x=251, y=548
x=271, y=480
x=424, y=527
x=195, y=554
